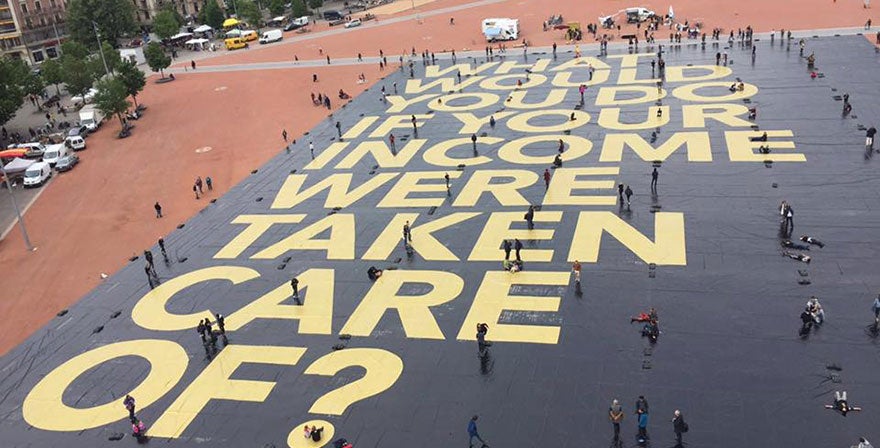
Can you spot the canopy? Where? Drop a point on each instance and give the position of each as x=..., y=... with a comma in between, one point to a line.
x=279, y=19
x=13, y=152
x=202, y=29
x=18, y=165
x=196, y=41
x=180, y=36
x=230, y=22
x=234, y=33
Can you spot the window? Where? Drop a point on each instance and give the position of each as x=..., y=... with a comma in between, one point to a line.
x=52, y=52
x=38, y=56
x=23, y=6
x=28, y=23
x=38, y=6
x=43, y=21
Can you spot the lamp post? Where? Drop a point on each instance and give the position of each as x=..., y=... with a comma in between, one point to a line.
x=27, y=240
x=100, y=47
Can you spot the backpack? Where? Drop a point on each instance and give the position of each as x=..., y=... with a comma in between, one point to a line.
x=685, y=427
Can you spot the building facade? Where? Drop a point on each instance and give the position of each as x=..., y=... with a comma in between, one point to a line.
x=32, y=30
x=11, y=42
x=146, y=10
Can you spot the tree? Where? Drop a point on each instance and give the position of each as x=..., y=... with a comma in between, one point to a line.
x=115, y=19
x=165, y=25
x=298, y=8
x=110, y=55
x=315, y=4
x=111, y=98
x=251, y=14
x=156, y=58
x=212, y=15
x=52, y=73
x=33, y=84
x=132, y=78
x=174, y=12
x=77, y=69
x=276, y=7
x=13, y=77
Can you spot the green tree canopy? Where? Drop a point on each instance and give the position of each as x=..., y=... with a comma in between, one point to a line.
x=52, y=73
x=212, y=15
x=111, y=98
x=132, y=78
x=77, y=68
x=174, y=12
x=276, y=7
x=156, y=58
x=298, y=8
x=14, y=76
x=315, y=4
x=249, y=11
x=165, y=25
x=111, y=55
x=115, y=19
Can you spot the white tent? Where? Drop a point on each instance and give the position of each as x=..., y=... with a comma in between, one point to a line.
x=200, y=43
x=203, y=29
x=234, y=33
x=18, y=165
x=180, y=36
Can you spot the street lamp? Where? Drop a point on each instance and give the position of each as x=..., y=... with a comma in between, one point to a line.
x=27, y=241
x=100, y=47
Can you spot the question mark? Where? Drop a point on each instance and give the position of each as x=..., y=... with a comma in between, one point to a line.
x=383, y=368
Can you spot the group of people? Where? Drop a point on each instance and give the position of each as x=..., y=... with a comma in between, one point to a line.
x=813, y=314
x=516, y=245
x=616, y=415
x=314, y=433
x=651, y=327
x=138, y=428
x=197, y=186
x=321, y=99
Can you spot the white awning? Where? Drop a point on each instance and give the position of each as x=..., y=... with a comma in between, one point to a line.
x=180, y=36
x=203, y=29
x=18, y=165
x=196, y=41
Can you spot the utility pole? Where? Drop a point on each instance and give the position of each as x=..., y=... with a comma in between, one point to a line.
x=27, y=240
x=100, y=48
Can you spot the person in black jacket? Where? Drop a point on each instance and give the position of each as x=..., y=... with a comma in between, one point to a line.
x=679, y=426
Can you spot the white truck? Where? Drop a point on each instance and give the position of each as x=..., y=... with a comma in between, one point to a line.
x=500, y=29
x=90, y=117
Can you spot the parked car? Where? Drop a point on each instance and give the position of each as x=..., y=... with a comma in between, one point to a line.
x=78, y=131
x=75, y=143
x=37, y=174
x=33, y=150
x=67, y=162
x=87, y=98
x=353, y=23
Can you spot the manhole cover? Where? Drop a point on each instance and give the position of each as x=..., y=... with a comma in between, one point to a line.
x=220, y=89
x=203, y=149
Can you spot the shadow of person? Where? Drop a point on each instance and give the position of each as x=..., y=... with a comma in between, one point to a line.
x=486, y=362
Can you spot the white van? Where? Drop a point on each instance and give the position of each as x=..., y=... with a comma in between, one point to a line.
x=75, y=142
x=53, y=153
x=37, y=174
x=271, y=36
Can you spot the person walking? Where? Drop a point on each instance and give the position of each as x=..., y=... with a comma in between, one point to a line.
x=576, y=268
x=149, y=271
x=158, y=209
x=474, y=142
x=199, y=184
x=679, y=426
x=473, y=433
x=196, y=190
x=869, y=137
x=129, y=404
x=201, y=329
x=628, y=192
x=530, y=217
x=294, y=284
x=221, y=323
x=642, y=418
x=284, y=135
x=620, y=193
x=507, y=246
x=615, y=414
x=876, y=308
x=654, y=176
x=391, y=140
x=547, y=177
x=407, y=236
x=312, y=149
x=209, y=183
x=162, y=248
x=149, y=257
x=482, y=343
x=517, y=246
